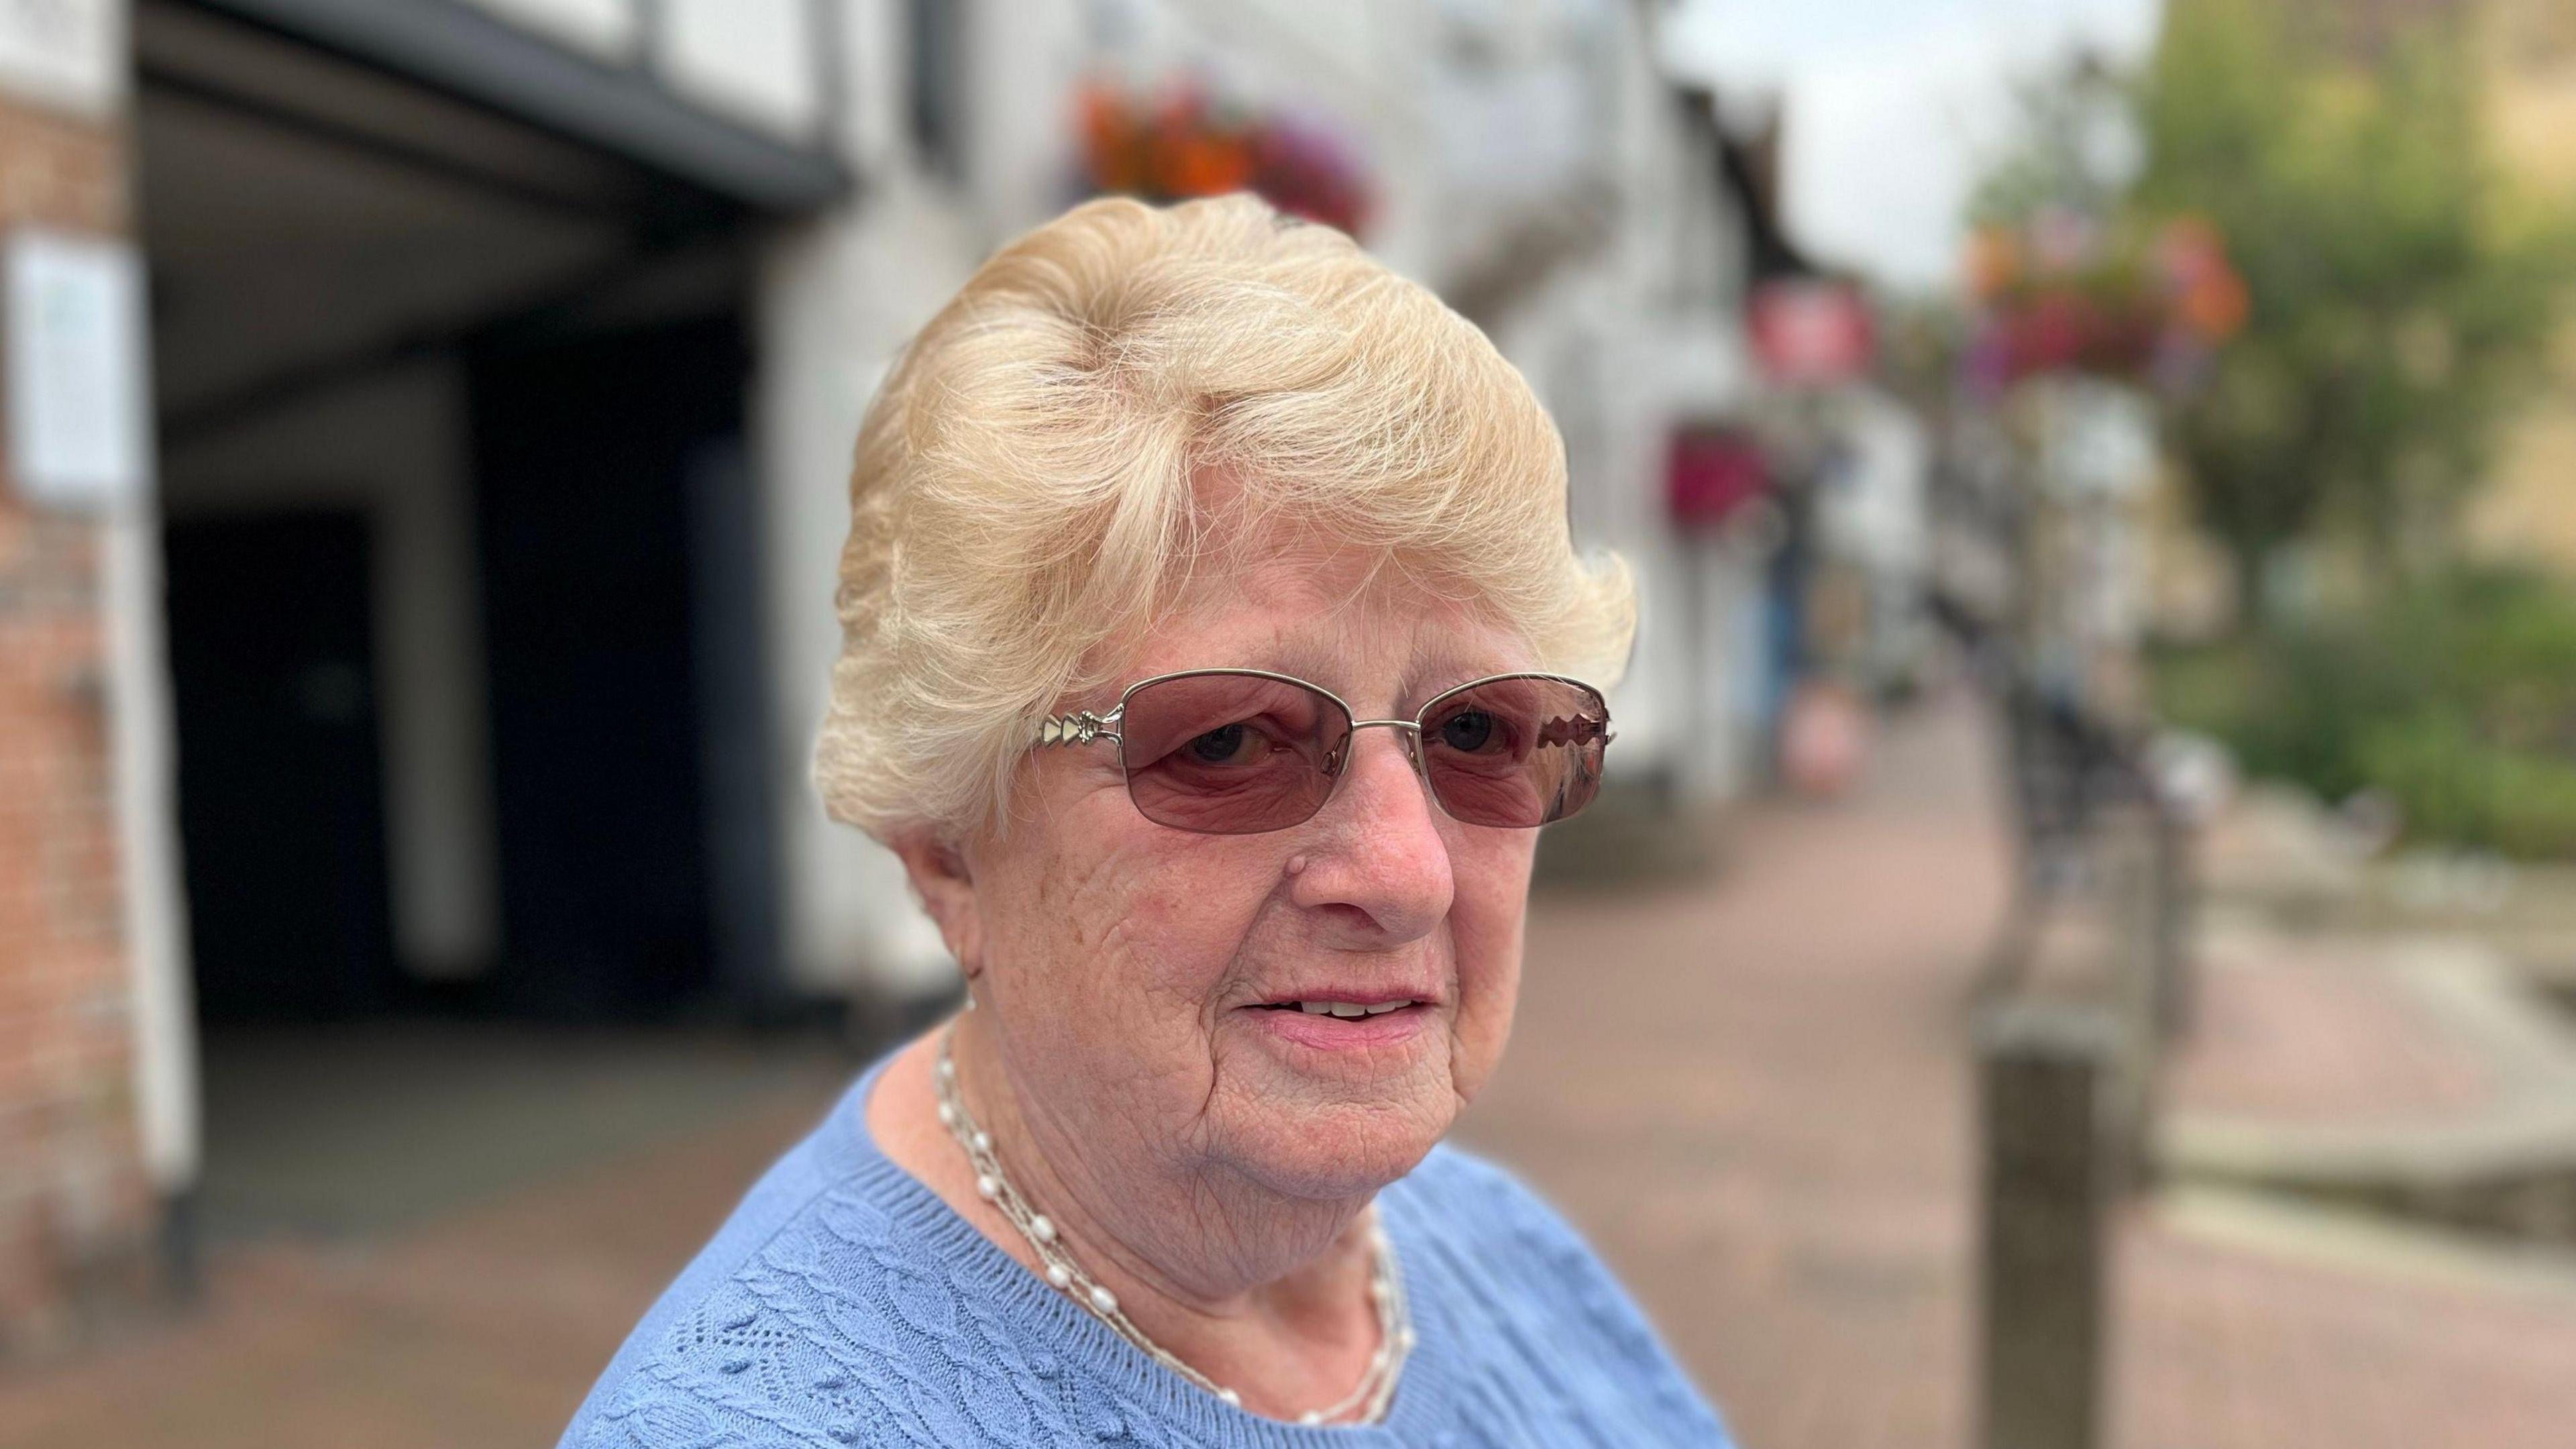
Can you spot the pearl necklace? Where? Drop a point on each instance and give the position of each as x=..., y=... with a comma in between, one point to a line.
x=1376, y=1388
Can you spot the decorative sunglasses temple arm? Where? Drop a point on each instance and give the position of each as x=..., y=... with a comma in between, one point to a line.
x=1079, y=728
x=1578, y=731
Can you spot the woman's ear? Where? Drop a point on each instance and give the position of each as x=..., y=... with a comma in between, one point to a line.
x=945, y=883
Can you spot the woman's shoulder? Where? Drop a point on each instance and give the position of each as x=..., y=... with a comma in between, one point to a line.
x=777, y=1330
x=1458, y=1212
x=672, y=1380
x=1503, y=1264
x=1475, y=1208
x=837, y=1323
x=844, y=1303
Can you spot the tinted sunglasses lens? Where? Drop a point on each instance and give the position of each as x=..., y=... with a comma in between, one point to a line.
x=1517, y=751
x=1230, y=754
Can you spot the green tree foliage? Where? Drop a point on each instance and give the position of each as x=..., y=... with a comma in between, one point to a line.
x=2401, y=291
x=2453, y=695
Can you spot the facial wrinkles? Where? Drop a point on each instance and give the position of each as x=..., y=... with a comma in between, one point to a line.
x=1103, y=920
x=1496, y=999
x=1090, y=920
x=1075, y=1121
x=1100, y=1225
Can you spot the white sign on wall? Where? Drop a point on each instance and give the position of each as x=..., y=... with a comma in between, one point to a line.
x=68, y=54
x=78, y=413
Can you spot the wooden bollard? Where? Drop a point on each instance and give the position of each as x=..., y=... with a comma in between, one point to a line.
x=2177, y=911
x=2135, y=986
x=2042, y=1072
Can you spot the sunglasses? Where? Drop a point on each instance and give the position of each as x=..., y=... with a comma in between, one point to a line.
x=1242, y=751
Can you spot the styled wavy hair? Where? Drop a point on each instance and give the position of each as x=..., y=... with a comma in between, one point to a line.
x=1122, y=401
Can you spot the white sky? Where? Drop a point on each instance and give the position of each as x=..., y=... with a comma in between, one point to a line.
x=1892, y=106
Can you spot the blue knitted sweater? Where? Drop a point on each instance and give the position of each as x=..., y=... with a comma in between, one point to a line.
x=844, y=1303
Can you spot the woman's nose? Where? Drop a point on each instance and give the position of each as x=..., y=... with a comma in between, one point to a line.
x=1382, y=861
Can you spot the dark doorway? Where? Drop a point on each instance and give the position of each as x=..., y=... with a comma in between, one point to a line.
x=597, y=527
x=281, y=797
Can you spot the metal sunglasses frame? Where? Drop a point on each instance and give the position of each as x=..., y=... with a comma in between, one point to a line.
x=1084, y=727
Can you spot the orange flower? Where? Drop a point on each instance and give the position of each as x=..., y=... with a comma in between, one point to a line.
x=2215, y=307
x=1994, y=262
x=1205, y=165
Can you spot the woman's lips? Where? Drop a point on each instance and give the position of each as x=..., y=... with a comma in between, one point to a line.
x=1384, y=1025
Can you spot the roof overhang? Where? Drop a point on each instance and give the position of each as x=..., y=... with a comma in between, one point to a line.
x=479, y=58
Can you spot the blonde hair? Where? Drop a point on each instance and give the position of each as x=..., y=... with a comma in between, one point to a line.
x=1032, y=487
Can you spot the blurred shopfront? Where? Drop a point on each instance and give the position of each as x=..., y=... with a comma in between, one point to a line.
x=424, y=619
x=452, y=385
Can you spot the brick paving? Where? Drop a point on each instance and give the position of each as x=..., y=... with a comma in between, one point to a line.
x=482, y=1329
x=1750, y=1091
x=2229, y=1347
x=2294, y=1030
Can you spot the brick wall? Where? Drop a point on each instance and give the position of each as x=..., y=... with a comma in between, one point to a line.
x=75, y=1210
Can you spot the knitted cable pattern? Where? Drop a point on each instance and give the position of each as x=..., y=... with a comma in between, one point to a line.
x=845, y=1304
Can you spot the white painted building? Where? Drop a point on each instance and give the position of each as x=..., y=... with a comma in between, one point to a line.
x=541, y=329
x=1873, y=517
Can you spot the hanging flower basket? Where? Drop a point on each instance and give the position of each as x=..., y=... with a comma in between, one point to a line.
x=2062, y=293
x=1182, y=143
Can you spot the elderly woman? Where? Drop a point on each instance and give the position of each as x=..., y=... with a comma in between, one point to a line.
x=1213, y=648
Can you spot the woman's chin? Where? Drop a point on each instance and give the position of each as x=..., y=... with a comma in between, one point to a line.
x=1322, y=1150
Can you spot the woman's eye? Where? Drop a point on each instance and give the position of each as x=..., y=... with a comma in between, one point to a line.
x=1471, y=730
x=1220, y=746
